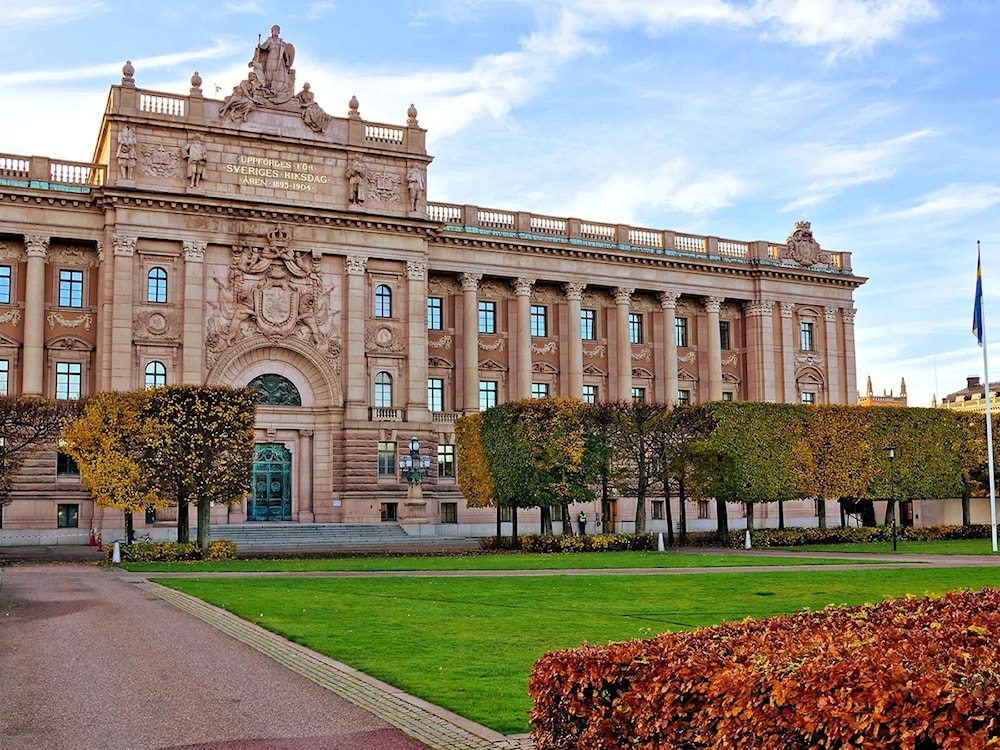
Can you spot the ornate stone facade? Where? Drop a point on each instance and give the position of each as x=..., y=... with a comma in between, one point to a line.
x=257, y=240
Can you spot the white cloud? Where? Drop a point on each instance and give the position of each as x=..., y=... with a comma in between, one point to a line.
x=951, y=201
x=23, y=12
x=251, y=7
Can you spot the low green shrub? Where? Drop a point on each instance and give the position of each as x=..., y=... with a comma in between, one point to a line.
x=170, y=552
x=909, y=673
x=797, y=537
x=545, y=543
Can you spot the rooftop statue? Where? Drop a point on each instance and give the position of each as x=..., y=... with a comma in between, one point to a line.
x=271, y=85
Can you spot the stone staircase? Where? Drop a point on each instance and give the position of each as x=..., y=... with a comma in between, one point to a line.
x=305, y=537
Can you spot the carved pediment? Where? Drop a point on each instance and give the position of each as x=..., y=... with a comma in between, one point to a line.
x=803, y=248
x=590, y=369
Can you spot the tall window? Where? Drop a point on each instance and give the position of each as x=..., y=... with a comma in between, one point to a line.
x=487, y=394
x=684, y=397
x=446, y=461
x=66, y=465
x=4, y=285
x=4, y=376
x=156, y=375
x=435, y=316
x=588, y=325
x=69, y=380
x=539, y=390
x=635, y=328
x=156, y=285
x=386, y=459
x=725, y=343
x=681, y=332
x=449, y=512
x=539, y=320
x=657, y=510
x=808, y=397
x=639, y=395
x=70, y=288
x=383, y=301
x=806, y=342
x=487, y=317
x=590, y=394
x=383, y=389
x=435, y=394
x=68, y=516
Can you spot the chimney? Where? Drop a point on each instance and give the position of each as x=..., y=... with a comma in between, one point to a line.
x=972, y=382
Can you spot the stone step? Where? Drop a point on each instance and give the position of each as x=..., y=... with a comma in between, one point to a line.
x=316, y=535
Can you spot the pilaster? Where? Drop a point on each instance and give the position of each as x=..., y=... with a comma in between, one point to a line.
x=522, y=357
x=623, y=352
x=37, y=248
x=712, y=306
x=574, y=295
x=668, y=305
x=470, y=341
x=193, y=341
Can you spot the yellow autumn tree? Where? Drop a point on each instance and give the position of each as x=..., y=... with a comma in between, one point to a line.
x=107, y=442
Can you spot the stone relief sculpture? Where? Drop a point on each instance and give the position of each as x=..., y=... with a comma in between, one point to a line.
x=274, y=58
x=275, y=292
x=196, y=156
x=126, y=153
x=803, y=248
x=415, y=187
x=243, y=100
x=356, y=182
x=312, y=114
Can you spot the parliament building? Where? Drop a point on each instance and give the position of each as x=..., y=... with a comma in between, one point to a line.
x=258, y=240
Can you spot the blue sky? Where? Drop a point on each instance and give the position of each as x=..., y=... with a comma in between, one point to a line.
x=876, y=120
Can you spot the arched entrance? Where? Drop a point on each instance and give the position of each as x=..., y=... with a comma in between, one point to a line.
x=271, y=499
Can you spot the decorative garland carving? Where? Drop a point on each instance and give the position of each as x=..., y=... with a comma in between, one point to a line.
x=85, y=320
x=689, y=357
x=809, y=359
x=441, y=343
x=548, y=348
x=12, y=316
x=597, y=351
x=496, y=346
x=65, y=255
x=641, y=356
x=731, y=360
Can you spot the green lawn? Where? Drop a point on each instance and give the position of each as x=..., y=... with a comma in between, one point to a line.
x=943, y=547
x=557, y=561
x=468, y=643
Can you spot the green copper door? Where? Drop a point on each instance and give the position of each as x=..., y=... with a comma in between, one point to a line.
x=272, y=484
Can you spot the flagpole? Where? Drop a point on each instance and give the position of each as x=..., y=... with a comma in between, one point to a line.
x=989, y=413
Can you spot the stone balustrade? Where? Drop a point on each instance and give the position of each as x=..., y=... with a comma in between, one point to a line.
x=575, y=231
x=41, y=171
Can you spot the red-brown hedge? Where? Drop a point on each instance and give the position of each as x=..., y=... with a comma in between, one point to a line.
x=913, y=674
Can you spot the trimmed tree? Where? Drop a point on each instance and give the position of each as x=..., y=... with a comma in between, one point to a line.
x=203, y=449
x=473, y=473
x=108, y=441
x=27, y=424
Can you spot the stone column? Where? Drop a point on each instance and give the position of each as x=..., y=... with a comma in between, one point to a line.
x=574, y=295
x=470, y=342
x=522, y=356
x=668, y=304
x=355, y=309
x=193, y=337
x=122, y=294
x=712, y=305
x=850, y=367
x=833, y=394
x=304, y=477
x=623, y=353
x=34, y=315
x=416, y=275
x=760, y=324
x=788, y=350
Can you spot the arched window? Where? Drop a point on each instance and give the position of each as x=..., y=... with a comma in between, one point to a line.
x=383, y=301
x=275, y=390
x=383, y=389
x=156, y=375
x=156, y=285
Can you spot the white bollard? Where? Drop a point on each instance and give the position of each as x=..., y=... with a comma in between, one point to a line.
x=746, y=540
x=116, y=556
x=659, y=543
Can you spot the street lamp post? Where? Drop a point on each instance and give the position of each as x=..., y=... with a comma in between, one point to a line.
x=414, y=468
x=892, y=494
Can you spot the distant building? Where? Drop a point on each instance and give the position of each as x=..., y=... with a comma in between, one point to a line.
x=886, y=399
x=972, y=397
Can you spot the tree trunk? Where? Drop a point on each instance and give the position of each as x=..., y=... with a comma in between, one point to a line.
x=499, y=528
x=183, y=525
x=843, y=514
x=821, y=511
x=781, y=514
x=966, y=509
x=204, y=511
x=513, y=524
x=722, y=523
x=545, y=517
x=129, y=528
x=640, y=499
x=890, y=511
x=605, y=505
x=669, y=516
x=567, y=523
x=749, y=513
x=682, y=500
